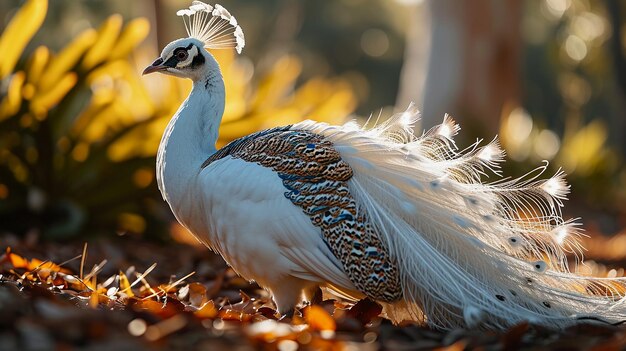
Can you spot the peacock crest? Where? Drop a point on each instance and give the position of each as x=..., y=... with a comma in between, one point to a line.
x=212, y=25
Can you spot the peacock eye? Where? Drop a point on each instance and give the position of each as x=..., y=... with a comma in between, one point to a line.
x=182, y=55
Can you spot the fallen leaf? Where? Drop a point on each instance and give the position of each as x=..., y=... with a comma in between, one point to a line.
x=207, y=310
x=318, y=319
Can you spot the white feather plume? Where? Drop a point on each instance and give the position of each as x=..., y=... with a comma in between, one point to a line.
x=469, y=253
x=212, y=25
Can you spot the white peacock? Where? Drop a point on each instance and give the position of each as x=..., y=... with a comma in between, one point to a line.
x=370, y=212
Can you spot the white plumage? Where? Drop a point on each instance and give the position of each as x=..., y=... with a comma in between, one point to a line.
x=212, y=25
x=463, y=253
x=253, y=229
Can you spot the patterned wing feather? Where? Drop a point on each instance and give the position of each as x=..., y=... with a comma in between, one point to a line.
x=315, y=178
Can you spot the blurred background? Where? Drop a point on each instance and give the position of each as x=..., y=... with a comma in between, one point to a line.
x=79, y=126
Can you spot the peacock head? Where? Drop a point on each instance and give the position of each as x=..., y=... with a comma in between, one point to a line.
x=207, y=26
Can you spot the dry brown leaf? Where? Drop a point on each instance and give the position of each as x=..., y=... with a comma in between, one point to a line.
x=318, y=319
x=208, y=310
x=197, y=294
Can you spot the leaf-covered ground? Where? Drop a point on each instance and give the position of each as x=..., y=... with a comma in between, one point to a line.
x=115, y=298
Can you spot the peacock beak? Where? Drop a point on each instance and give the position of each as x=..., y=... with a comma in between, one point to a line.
x=156, y=66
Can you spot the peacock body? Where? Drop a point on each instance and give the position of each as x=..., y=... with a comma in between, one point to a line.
x=374, y=212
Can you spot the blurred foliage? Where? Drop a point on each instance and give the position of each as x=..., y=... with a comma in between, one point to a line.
x=328, y=37
x=572, y=106
x=79, y=128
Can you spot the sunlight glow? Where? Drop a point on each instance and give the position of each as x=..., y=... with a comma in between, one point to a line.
x=553, y=186
x=375, y=42
x=575, y=48
x=558, y=7
x=561, y=234
x=547, y=144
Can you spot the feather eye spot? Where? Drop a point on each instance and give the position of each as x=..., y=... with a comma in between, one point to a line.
x=515, y=241
x=489, y=218
x=529, y=280
x=473, y=316
x=513, y=292
x=500, y=297
x=547, y=304
x=540, y=266
x=435, y=184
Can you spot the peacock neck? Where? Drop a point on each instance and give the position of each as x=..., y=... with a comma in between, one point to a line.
x=189, y=140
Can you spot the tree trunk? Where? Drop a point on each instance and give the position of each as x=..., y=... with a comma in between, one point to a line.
x=473, y=68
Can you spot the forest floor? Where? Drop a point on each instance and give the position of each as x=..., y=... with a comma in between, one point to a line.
x=114, y=298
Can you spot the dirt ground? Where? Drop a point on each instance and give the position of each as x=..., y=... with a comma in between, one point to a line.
x=116, y=298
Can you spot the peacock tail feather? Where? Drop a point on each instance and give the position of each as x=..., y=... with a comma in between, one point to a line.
x=469, y=253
